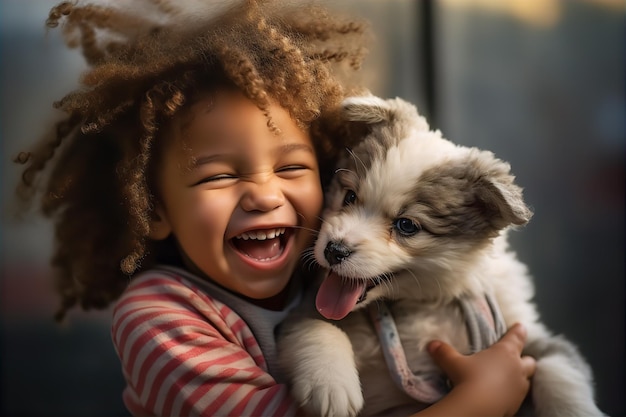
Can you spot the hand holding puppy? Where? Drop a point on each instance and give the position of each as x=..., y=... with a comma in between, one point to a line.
x=494, y=381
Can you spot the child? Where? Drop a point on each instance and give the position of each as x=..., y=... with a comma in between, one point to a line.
x=188, y=184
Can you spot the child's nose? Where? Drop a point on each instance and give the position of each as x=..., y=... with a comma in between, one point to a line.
x=263, y=194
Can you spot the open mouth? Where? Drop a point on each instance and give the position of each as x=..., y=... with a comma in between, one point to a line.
x=262, y=245
x=337, y=296
x=371, y=284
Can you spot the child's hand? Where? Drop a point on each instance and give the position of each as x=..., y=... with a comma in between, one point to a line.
x=494, y=381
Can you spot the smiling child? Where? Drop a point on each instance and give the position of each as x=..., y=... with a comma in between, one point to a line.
x=185, y=182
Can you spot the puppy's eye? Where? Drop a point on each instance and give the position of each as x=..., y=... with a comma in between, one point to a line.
x=406, y=227
x=349, y=198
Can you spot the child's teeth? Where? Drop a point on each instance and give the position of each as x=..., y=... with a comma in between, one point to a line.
x=262, y=235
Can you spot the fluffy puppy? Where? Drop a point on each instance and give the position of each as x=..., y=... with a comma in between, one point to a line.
x=414, y=242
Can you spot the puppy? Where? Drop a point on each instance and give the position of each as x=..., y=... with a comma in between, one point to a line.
x=414, y=239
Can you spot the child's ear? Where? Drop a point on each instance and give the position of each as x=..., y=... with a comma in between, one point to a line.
x=159, y=225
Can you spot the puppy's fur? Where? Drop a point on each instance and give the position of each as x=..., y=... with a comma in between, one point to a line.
x=420, y=222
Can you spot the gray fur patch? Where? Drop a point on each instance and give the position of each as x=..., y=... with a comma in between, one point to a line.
x=389, y=122
x=558, y=345
x=353, y=167
x=474, y=197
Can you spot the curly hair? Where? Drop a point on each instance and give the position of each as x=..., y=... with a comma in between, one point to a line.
x=92, y=171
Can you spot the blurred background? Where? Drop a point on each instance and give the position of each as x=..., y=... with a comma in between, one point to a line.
x=539, y=82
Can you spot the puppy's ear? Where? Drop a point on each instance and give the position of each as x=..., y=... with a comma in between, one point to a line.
x=373, y=111
x=366, y=109
x=473, y=195
x=496, y=189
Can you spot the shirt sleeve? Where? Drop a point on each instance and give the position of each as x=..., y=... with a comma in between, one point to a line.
x=184, y=354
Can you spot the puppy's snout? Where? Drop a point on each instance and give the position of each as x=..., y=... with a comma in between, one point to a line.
x=335, y=253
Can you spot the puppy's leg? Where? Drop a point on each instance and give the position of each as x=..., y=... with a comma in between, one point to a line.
x=318, y=359
x=563, y=382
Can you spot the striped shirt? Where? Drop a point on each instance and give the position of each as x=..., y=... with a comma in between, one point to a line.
x=184, y=352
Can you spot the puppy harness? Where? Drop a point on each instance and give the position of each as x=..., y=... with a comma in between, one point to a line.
x=484, y=324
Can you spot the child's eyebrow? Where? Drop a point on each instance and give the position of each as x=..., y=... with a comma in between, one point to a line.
x=196, y=162
x=293, y=147
x=282, y=150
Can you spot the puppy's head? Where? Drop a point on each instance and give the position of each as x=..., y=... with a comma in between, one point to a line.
x=407, y=202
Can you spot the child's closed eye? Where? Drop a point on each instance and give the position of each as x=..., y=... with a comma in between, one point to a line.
x=216, y=178
x=289, y=171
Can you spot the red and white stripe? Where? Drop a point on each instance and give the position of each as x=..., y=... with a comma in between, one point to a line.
x=184, y=353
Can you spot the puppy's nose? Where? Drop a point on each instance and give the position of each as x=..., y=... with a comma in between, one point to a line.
x=336, y=252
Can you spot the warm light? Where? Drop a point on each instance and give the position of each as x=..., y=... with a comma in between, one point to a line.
x=544, y=13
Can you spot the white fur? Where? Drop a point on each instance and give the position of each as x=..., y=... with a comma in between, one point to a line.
x=317, y=391
x=328, y=362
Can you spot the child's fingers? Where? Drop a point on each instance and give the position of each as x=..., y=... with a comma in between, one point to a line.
x=515, y=338
x=445, y=356
x=439, y=349
x=529, y=365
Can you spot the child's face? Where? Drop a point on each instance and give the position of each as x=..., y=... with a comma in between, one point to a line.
x=240, y=200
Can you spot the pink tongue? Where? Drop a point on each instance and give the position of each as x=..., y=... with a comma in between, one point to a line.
x=259, y=249
x=337, y=296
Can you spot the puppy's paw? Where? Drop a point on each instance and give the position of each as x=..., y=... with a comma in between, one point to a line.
x=327, y=392
x=318, y=359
